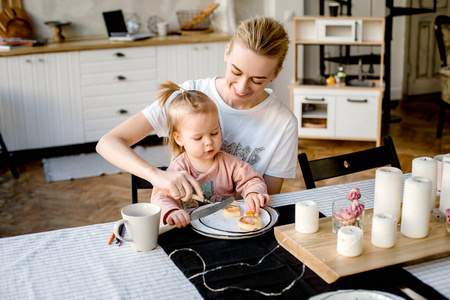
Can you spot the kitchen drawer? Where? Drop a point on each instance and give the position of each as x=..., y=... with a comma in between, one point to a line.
x=96, y=118
x=144, y=98
x=119, y=77
x=119, y=88
x=98, y=121
x=118, y=54
x=357, y=117
x=118, y=66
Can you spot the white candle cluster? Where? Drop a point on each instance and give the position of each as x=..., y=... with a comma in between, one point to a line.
x=388, y=191
x=350, y=241
x=306, y=216
x=416, y=207
x=426, y=167
x=384, y=230
x=445, y=185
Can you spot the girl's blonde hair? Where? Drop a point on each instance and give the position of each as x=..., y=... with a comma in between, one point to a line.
x=184, y=104
x=264, y=36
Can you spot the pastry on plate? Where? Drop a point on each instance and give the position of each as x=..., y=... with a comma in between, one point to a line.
x=233, y=210
x=250, y=221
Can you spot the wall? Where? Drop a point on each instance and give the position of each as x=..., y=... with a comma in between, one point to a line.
x=86, y=15
x=284, y=10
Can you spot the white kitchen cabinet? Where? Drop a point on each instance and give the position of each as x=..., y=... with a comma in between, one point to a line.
x=357, y=115
x=75, y=97
x=115, y=84
x=40, y=100
x=179, y=63
x=347, y=114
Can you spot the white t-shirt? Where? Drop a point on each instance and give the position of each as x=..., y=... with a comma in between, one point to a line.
x=265, y=136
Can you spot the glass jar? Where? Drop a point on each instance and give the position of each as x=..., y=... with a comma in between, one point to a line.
x=347, y=213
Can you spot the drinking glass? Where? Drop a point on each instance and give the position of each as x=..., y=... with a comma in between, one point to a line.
x=347, y=213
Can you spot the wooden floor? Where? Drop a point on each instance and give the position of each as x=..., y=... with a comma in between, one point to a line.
x=30, y=204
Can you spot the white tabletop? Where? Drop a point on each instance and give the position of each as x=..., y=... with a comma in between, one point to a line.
x=78, y=263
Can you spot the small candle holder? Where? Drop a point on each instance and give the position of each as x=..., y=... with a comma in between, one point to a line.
x=347, y=213
x=57, y=25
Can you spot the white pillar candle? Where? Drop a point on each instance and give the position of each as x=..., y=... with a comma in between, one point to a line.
x=350, y=241
x=388, y=191
x=306, y=216
x=426, y=167
x=384, y=230
x=416, y=207
x=445, y=188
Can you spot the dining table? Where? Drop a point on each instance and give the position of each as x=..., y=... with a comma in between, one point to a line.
x=78, y=263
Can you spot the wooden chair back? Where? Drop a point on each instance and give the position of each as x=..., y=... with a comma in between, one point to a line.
x=139, y=183
x=330, y=167
x=442, y=33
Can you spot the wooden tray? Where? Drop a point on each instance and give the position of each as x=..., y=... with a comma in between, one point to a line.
x=318, y=250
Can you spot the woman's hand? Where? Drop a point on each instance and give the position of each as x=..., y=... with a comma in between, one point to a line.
x=254, y=201
x=179, y=218
x=180, y=184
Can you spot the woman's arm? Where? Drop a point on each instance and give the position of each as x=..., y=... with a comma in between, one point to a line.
x=115, y=147
x=273, y=184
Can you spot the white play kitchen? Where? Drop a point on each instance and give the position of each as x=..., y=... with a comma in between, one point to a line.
x=345, y=110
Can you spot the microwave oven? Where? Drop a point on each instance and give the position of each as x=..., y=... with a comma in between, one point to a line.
x=338, y=31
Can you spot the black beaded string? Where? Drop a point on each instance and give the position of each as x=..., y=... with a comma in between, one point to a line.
x=237, y=264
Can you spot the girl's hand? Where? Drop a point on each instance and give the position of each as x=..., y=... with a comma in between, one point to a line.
x=254, y=201
x=179, y=218
x=179, y=184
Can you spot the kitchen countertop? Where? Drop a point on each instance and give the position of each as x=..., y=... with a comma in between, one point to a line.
x=94, y=43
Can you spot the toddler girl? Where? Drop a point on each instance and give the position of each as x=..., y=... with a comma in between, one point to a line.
x=194, y=138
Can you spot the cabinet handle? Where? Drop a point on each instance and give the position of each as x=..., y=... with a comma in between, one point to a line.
x=120, y=77
x=28, y=61
x=356, y=31
x=314, y=99
x=122, y=111
x=357, y=100
x=41, y=60
x=118, y=54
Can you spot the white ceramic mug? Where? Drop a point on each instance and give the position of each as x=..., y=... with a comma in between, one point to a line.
x=142, y=225
x=163, y=28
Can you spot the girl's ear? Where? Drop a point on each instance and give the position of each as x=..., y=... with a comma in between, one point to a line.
x=177, y=138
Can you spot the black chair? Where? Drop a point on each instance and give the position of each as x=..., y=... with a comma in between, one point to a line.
x=139, y=183
x=325, y=168
x=4, y=153
x=442, y=33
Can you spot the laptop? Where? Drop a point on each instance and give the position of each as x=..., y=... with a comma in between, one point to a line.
x=117, y=29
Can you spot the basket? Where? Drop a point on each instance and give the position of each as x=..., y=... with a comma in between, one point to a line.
x=187, y=15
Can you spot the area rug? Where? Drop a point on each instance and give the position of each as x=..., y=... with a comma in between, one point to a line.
x=92, y=164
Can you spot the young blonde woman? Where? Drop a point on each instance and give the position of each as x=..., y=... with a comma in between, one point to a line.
x=194, y=138
x=256, y=127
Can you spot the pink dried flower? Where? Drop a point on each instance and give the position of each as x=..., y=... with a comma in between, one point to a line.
x=447, y=213
x=354, y=194
x=348, y=215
